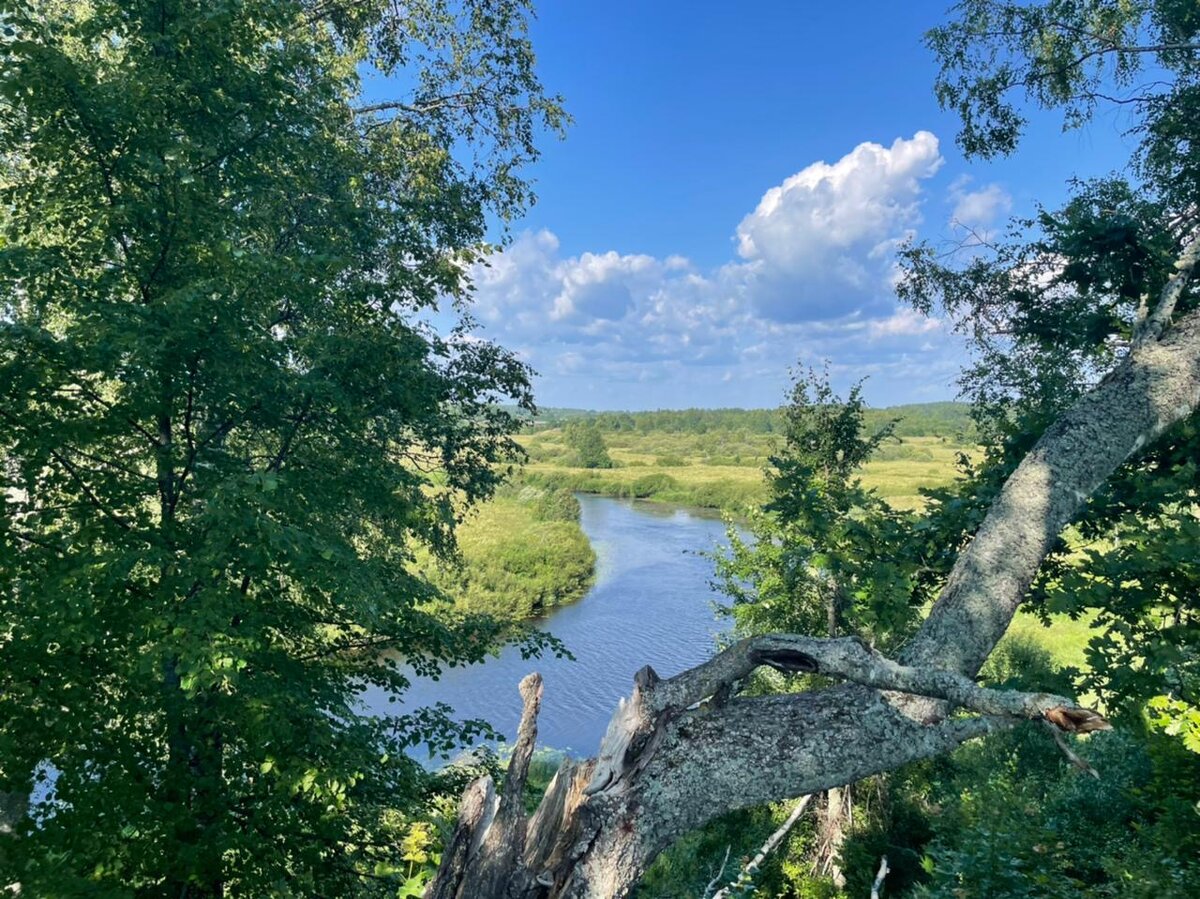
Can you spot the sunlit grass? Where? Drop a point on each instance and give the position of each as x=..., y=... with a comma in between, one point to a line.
x=517, y=562
x=726, y=471
x=1065, y=639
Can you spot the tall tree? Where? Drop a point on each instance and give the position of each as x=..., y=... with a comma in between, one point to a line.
x=1053, y=308
x=590, y=450
x=226, y=419
x=825, y=555
x=1094, y=338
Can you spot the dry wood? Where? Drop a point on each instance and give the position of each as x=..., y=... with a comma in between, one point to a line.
x=877, y=886
x=752, y=867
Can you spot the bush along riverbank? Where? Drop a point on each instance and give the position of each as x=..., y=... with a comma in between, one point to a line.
x=521, y=555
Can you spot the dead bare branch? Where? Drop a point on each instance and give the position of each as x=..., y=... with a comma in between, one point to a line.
x=752, y=867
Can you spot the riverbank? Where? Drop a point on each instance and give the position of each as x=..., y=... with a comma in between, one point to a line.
x=522, y=554
x=723, y=470
x=651, y=603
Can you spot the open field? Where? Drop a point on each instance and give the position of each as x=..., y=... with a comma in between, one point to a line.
x=722, y=470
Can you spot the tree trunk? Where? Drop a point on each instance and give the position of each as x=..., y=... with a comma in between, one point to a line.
x=670, y=761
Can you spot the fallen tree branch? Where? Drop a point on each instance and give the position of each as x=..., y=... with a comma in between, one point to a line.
x=752, y=867
x=848, y=658
x=883, y=872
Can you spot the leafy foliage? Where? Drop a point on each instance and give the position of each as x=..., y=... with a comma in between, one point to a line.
x=825, y=555
x=588, y=443
x=1010, y=817
x=228, y=423
x=1073, y=56
x=1055, y=306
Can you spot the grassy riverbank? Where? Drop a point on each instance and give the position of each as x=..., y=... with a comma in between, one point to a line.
x=522, y=554
x=722, y=468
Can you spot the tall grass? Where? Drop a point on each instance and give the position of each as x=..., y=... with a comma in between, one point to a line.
x=721, y=470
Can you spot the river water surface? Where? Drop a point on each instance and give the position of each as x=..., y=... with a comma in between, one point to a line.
x=651, y=604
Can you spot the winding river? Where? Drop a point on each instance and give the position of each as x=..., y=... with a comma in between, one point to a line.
x=651, y=604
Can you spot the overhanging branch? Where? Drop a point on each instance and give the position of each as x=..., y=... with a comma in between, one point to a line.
x=850, y=659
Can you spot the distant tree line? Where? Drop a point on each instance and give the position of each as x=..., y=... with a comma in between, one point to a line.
x=945, y=419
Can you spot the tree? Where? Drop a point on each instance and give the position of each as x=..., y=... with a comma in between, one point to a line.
x=1108, y=295
x=587, y=441
x=826, y=555
x=226, y=421
x=1052, y=310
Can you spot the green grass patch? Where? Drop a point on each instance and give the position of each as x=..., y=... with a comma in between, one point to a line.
x=522, y=554
x=1065, y=639
x=721, y=470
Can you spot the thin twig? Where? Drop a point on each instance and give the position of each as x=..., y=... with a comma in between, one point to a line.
x=1073, y=757
x=717, y=877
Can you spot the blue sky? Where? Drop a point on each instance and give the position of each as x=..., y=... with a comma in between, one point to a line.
x=728, y=201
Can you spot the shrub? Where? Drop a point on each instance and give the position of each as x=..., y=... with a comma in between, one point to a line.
x=652, y=484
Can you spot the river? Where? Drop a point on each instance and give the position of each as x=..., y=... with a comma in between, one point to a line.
x=651, y=604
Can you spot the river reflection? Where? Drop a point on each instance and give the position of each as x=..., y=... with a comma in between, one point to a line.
x=651, y=604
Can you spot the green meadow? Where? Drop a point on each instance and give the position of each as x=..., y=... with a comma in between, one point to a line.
x=720, y=470
x=521, y=554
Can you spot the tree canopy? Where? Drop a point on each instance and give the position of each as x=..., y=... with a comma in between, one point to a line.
x=1053, y=307
x=238, y=387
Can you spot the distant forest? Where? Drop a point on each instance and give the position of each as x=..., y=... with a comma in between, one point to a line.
x=951, y=420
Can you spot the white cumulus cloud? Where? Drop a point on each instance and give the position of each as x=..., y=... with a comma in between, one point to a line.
x=819, y=245
x=978, y=209
x=812, y=279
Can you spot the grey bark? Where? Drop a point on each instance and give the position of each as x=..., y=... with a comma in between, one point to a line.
x=682, y=751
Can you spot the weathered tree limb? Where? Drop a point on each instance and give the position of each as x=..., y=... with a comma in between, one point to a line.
x=752, y=866
x=487, y=847
x=1156, y=321
x=1072, y=756
x=1156, y=385
x=849, y=658
x=474, y=813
